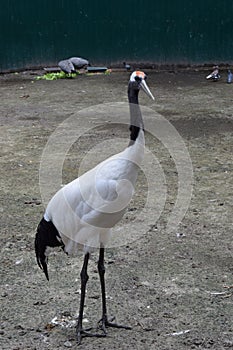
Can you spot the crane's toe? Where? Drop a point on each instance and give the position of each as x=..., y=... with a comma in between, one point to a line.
x=104, y=323
x=82, y=333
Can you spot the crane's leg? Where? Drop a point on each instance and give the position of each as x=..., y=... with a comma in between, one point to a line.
x=84, y=278
x=104, y=322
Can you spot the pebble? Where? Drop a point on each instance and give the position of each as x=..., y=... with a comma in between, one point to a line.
x=68, y=344
x=146, y=284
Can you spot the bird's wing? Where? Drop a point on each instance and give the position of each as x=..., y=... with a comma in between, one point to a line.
x=89, y=201
x=209, y=76
x=79, y=62
x=96, y=201
x=213, y=74
x=85, y=218
x=66, y=66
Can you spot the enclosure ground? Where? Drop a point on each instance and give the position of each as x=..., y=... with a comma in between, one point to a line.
x=170, y=287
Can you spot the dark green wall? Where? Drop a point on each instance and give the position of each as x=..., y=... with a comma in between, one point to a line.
x=37, y=33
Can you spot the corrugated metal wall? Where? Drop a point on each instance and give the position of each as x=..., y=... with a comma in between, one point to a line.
x=37, y=33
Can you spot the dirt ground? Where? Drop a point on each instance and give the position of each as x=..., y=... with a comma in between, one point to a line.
x=170, y=287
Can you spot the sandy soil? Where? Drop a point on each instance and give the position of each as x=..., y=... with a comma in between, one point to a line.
x=169, y=286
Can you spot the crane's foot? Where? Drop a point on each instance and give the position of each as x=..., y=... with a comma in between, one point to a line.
x=104, y=323
x=82, y=333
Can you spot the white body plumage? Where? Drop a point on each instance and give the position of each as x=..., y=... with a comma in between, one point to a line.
x=85, y=210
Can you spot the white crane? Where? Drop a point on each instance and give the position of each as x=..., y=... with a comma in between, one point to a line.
x=82, y=213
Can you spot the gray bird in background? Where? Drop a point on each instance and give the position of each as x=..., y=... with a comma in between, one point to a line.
x=66, y=66
x=79, y=62
x=71, y=64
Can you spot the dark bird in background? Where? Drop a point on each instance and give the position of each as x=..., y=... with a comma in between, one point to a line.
x=82, y=213
x=214, y=76
x=229, y=76
x=127, y=66
x=71, y=64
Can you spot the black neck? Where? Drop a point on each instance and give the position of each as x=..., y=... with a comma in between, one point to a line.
x=136, y=122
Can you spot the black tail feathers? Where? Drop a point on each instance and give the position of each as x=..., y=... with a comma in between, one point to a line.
x=46, y=236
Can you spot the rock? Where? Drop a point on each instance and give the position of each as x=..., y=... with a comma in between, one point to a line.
x=68, y=344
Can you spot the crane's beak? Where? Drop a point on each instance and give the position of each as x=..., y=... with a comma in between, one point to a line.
x=145, y=88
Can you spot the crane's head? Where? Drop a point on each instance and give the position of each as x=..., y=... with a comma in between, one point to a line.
x=138, y=81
